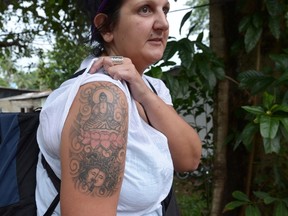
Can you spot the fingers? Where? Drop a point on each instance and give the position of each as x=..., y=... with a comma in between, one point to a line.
x=117, y=67
x=106, y=62
x=98, y=63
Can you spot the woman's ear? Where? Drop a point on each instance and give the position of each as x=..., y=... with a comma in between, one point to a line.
x=99, y=21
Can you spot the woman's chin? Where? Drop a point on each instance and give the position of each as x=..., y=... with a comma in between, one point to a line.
x=156, y=57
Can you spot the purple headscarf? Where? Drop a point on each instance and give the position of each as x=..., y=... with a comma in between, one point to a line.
x=102, y=6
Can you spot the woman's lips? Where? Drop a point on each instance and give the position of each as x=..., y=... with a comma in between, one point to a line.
x=156, y=41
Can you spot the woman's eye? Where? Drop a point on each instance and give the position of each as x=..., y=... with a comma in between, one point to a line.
x=166, y=10
x=145, y=9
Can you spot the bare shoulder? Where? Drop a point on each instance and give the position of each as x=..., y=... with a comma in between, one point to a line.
x=93, y=145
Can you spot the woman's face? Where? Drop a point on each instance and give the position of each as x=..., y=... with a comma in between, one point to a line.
x=141, y=32
x=96, y=177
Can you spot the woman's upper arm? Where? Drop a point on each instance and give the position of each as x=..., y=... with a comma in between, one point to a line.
x=93, y=150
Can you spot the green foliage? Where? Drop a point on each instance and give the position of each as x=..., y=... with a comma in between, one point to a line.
x=198, y=63
x=253, y=27
x=12, y=76
x=270, y=16
x=262, y=29
x=253, y=208
x=3, y=83
x=7, y=70
x=191, y=198
x=59, y=64
x=269, y=118
x=191, y=205
x=33, y=20
x=26, y=80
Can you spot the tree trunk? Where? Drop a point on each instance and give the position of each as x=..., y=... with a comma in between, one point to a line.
x=230, y=166
x=221, y=110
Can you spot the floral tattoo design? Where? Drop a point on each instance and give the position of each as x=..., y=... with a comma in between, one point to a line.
x=99, y=135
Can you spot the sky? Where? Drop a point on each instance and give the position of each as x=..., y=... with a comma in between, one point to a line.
x=175, y=16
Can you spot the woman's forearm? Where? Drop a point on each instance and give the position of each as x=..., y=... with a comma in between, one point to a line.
x=184, y=143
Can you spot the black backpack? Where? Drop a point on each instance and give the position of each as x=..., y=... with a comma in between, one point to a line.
x=18, y=160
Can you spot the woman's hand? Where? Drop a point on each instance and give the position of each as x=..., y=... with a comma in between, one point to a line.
x=123, y=69
x=184, y=143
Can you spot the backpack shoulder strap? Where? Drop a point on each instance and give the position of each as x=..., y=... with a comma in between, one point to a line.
x=152, y=87
x=154, y=90
x=77, y=73
x=56, y=182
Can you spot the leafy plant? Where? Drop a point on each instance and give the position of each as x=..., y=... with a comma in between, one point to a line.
x=253, y=208
x=265, y=134
x=192, y=205
x=271, y=120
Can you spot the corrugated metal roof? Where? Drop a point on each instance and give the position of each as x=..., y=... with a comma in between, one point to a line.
x=25, y=96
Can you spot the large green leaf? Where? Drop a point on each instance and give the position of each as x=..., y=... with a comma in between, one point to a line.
x=257, y=20
x=268, y=100
x=284, y=133
x=173, y=84
x=273, y=7
x=263, y=195
x=186, y=51
x=155, y=72
x=268, y=200
x=284, y=121
x=283, y=108
x=256, y=110
x=281, y=61
x=234, y=204
x=252, y=37
x=184, y=19
x=240, y=196
x=248, y=134
x=203, y=47
x=283, y=79
x=281, y=209
x=272, y=145
x=212, y=80
x=252, y=211
x=255, y=80
x=171, y=50
x=274, y=26
x=269, y=126
x=244, y=23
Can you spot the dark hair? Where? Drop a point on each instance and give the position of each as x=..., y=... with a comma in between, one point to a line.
x=109, y=7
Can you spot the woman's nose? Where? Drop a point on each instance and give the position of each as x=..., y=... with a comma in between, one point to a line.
x=161, y=21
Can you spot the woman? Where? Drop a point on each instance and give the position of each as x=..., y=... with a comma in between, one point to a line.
x=111, y=139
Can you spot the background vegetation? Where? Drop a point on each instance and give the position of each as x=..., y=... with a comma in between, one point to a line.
x=238, y=79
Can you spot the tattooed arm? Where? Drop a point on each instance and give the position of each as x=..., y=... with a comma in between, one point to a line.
x=93, y=151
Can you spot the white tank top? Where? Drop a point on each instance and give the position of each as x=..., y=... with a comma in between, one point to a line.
x=148, y=171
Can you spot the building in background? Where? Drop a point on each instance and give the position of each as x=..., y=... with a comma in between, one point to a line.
x=15, y=100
